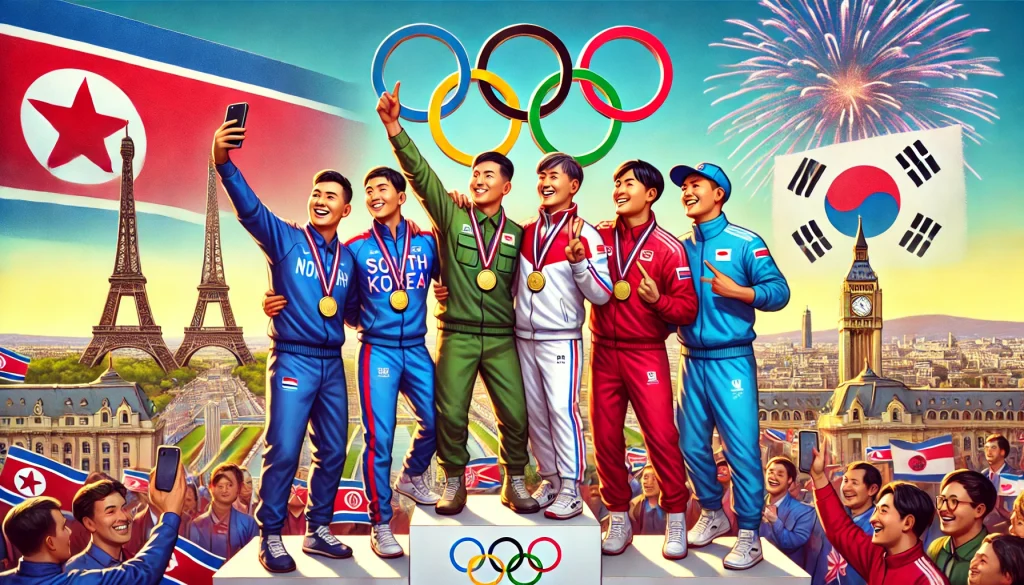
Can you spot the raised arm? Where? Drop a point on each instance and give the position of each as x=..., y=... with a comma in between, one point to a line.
x=426, y=186
x=846, y=537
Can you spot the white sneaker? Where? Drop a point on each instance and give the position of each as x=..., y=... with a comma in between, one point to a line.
x=745, y=553
x=567, y=505
x=675, y=541
x=383, y=542
x=415, y=488
x=711, y=525
x=545, y=494
x=619, y=535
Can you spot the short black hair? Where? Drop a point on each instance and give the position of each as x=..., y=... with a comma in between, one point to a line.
x=394, y=177
x=1010, y=552
x=910, y=500
x=505, y=165
x=30, y=522
x=785, y=462
x=559, y=160
x=648, y=175
x=977, y=486
x=225, y=468
x=872, y=477
x=1000, y=440
x=332, y=176
x=85, y=500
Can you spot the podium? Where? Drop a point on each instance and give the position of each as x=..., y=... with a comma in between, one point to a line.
x=487, y=542
x=363, y=568
x=642, y=564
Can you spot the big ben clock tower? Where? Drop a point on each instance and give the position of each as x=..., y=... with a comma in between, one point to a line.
x=860, y=320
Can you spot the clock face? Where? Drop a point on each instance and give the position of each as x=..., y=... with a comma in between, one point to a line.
x=861, y=306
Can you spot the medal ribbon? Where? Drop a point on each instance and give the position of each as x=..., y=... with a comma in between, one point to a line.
x=549, y=238
x=326, y=285
x=399, y=275
x=636, y=250
x=487, y=256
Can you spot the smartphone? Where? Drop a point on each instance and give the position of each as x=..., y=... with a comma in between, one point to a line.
x=237, y=112
x=808, y=442
x=167, y=459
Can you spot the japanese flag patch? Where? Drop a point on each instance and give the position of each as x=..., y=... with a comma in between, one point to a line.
x=723, y=254
x=761, y=253
x=509, y=239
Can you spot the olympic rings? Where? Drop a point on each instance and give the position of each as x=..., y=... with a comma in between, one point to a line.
x=541, y=34
x=422, y=30
x=537, y=112
x=440, y=107
x=434, y=115
x=476, y=562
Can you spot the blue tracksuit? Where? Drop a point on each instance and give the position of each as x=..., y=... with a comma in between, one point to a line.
x=393, y=357
x=93, y=557
x=304, y=369
x=827, y=562
x=792, y=530
x=147, y=568
x=717, y=373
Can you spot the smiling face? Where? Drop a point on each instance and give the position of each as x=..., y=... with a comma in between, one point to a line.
x=110, y=521
x=965, y=517
x=630, y=196
x=886, y=523
x=777, y=480
x=700, y=196
x=649, y=482
x=856, y=493
x=327, y=205
x=985, y=568
x=382, y=199
x=225, y=491
x=487, y=185
x=722, y=473
x=556, y=189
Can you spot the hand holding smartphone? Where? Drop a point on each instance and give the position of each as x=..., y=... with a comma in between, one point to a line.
x=238, y=112
x=808, y=443
x=167, y=460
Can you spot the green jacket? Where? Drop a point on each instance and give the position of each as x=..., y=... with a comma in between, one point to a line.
x=955, y=564
x=468, y=309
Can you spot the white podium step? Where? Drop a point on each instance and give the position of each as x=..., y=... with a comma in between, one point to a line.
x=642, y=564
x=442, y=547
x=363, y=568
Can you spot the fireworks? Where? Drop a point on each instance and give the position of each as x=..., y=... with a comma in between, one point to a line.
x=824, y=72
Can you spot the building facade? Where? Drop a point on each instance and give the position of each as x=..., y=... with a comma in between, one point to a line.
x=106, y=425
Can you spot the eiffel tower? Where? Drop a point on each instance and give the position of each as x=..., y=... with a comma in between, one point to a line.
x=213, y=288
x=127, y=281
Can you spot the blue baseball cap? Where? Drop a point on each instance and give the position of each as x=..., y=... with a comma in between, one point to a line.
x=709, y=171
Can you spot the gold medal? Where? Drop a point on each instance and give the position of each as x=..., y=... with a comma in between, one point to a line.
x=621, y=290
x=399, y=300
x=486, y=279
x=328, y=307
x=535, y=281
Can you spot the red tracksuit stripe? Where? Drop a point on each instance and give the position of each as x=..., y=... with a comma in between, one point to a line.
x=371, y=432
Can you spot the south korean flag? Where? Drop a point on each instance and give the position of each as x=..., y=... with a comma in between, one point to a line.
x=908, y=189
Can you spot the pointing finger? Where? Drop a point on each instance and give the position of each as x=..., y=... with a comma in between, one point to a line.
x=577, y=227
x=706, y=279
x=394, y=93
x=643, y=271
x=712, y=268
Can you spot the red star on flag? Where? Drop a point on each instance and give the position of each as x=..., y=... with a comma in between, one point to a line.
x=81, y=130
x=29, y=483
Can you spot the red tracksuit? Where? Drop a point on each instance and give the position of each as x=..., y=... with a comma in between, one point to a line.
x=629, y=364
x=912, y=567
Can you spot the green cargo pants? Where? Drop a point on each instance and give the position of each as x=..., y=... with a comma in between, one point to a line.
x=459, y=357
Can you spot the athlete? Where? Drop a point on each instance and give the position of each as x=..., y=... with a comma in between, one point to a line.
x=305, y=373
x=560, y=266
x=478, y=256
x=717, y=373
x=394, y=264
x=629, y=362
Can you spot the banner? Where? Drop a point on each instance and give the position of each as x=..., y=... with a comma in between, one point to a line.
x=191, y=565
x=928, y=461
x=26, y=475
x=13, y=366
x=483, y=474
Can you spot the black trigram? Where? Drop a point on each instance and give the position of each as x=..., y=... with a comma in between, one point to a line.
x=810, y=239
x=915, y=163
x=806, y=177
x=920, y=235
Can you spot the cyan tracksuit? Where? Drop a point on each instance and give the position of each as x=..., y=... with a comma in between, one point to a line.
x=717, y=373
x=393, y=357
x=305, y=373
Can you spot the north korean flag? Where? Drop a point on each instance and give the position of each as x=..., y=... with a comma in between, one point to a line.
x=135, y=481
x=300, y=489
x=191, y=565
x=350, y=504
x=881, y=453
x=483, y=474
x=13, y=365
x=77, y=80
x=26, y=475
x=636, y=458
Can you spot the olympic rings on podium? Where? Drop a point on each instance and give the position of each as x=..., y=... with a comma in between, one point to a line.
x=477, y=561
x=442, y=105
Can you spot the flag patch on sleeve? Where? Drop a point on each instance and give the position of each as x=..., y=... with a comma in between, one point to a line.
x=683, y=273
x=761, y=253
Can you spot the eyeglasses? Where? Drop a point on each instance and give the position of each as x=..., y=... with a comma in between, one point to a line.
x=950, y=502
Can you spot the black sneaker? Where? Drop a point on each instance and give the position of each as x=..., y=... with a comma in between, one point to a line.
x=321, y=542
x=273, y=556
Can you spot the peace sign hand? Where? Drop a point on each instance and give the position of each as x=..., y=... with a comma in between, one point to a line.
x=575, y=252
x=648, y=289
x=724, y=286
